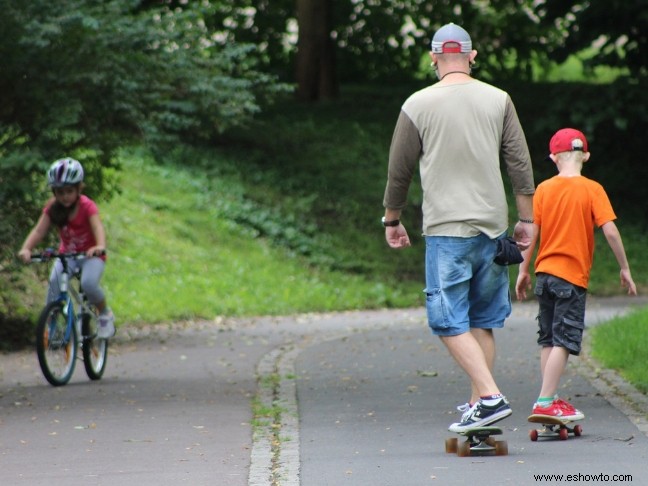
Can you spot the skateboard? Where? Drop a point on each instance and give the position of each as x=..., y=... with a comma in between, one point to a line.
x=554, y=427
x=479, y=441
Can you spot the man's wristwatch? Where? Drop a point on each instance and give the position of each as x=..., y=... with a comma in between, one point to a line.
x=386, y=223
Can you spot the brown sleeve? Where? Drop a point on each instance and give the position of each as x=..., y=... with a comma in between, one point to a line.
x=404, y=155
x=515, y=153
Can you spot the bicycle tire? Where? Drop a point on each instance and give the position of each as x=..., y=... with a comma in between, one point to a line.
x=95, y=349
x=56, y=354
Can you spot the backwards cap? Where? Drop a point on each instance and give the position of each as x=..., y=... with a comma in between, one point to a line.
x=451, y=39
x=567, y=140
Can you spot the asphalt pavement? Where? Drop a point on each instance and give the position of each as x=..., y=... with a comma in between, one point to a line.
x=358, y=398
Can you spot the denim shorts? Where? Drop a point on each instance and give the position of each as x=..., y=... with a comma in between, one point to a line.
x=464, y=288
x=561, y=317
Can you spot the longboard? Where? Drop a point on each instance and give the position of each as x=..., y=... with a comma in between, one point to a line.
x=479, y=441
x=554, y=427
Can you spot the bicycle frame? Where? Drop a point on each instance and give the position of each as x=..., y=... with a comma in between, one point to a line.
x=68, y=294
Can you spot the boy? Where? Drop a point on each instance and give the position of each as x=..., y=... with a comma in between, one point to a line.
x=566, y=209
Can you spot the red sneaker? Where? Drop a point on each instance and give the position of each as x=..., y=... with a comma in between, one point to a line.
x=569, y=408
x=557, y=409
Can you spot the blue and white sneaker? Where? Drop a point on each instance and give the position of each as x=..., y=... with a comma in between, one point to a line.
x=465, y=410
x=483, y=413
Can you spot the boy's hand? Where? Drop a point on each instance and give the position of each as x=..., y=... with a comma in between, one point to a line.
x=627, y=282
x=522, y=285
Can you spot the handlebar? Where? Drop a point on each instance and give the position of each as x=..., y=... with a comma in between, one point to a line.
x=49, y=255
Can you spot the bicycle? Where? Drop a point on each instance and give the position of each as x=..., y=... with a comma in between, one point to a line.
x=61, y=330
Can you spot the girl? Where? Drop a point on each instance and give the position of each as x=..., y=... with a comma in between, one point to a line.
x=80, y=230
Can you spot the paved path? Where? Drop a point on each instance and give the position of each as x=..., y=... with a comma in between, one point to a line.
x=365, y=398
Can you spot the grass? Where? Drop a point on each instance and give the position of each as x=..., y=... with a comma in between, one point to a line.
x=622, y=345
x=176, y=255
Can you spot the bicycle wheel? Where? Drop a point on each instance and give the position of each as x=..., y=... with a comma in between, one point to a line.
x=95, y=350
x=56, y=345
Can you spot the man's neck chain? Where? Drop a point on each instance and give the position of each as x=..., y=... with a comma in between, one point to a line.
x=454, y=72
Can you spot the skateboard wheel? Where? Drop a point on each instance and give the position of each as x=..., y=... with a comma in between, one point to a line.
x=533, y=435
x=501, y=448
x=491, y=441
x=451, y=445
x=464, y=449
x=563, y=434
x=578, y=430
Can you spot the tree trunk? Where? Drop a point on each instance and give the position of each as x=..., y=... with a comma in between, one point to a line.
x=315, y=69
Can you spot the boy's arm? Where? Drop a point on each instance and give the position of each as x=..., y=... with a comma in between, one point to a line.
x=613, y=238
x=523, y=282
x=35, y=236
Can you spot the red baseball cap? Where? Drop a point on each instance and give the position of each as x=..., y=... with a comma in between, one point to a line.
x=567, y=140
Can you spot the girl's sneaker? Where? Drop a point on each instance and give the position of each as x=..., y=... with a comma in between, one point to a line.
x=559, y=409
x=106, y=325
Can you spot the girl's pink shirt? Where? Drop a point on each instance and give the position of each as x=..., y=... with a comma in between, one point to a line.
x=77, y=236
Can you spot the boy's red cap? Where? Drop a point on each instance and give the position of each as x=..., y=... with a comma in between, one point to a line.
x=566, y=140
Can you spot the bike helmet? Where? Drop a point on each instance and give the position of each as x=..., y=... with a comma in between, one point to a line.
x=65, y=172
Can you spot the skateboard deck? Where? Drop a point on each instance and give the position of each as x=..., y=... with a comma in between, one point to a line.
x=554, y=427
x=479, y=441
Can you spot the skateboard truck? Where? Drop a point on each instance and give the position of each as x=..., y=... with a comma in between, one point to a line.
x=554, y=427
x=479, y=441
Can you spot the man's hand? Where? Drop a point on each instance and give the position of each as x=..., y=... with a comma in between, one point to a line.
x=523, y=235
x=396, y=237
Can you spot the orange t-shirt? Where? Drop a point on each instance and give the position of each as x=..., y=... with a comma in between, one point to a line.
x=567, y=209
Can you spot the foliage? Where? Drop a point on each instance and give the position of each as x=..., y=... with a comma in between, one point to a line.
x=618, y=28
x=389, y=39
x=81, y=78
x=382, y=39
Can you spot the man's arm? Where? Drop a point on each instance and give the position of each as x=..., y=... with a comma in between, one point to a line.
x=404, y=154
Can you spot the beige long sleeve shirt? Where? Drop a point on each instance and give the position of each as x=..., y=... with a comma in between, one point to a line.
x=456, y=134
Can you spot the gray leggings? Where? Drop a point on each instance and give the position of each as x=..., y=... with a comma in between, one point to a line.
x=91, y=272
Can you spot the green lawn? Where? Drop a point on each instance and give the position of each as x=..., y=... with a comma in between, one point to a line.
x=622, y=344
x=175, y=253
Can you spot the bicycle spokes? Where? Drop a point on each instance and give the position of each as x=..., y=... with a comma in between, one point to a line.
x=56, y=345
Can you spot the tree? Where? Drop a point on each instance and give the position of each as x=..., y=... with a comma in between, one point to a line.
x=315, y=66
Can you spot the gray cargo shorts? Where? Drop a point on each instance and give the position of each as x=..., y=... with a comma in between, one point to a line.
x=561, y=316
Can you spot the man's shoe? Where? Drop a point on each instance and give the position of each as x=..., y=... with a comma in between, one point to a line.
x=465, y=410
x=481, y=415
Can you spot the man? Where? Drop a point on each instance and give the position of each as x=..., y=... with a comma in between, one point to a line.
x=455, y=131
